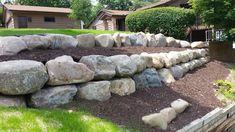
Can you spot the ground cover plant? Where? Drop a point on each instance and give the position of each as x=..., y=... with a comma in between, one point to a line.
x=226, y=89
x=170, y=21
x=32, y=120
x=29, y=31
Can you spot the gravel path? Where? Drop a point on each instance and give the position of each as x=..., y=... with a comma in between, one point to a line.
x=196, y=87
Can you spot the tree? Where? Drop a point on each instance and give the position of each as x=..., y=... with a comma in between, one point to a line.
x=82, y=10
x=219, y=13
x=50, y=3
x=117, y=4
x=140, y=3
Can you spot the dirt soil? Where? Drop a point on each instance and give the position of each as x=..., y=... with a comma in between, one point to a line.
x=46, y=55
x=196, y=87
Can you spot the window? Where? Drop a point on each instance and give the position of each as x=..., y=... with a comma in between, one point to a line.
x=29, y=19
x=49, y=19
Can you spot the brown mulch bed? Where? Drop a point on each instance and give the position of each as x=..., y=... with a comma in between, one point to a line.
x=46, y=55
x=196, y=87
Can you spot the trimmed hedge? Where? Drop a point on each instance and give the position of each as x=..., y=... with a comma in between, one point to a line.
x=170, y=21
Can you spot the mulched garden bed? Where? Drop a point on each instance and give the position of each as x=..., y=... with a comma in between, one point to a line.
x=196, y=87
x=46, y=55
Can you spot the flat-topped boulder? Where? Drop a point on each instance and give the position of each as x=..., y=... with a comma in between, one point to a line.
x=12, y=101
x=36, y=41
x=52, y=97
x=60, y=41
x=63, y=70
x=95, y=91
x=123, y=86
x=124, y=65
x=86, y=40
x=104, y=40
x=11, y=45
x=20, y=77
x=103, y=67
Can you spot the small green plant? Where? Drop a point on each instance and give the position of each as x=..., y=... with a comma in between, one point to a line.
x=225, y=88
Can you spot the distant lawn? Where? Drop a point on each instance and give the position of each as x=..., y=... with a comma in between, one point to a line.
x=32, y=120
x=29, y=31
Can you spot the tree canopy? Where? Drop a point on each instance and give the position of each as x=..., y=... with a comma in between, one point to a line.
x=219, y=13
x=50, y=3
x=82, y=10
x=125, y=4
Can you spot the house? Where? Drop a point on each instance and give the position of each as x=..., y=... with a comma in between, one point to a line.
x=164, y=3
x=20, y=16
x=110, y=20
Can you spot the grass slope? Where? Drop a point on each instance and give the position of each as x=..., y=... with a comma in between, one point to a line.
x=32, y=120
x=28, y=31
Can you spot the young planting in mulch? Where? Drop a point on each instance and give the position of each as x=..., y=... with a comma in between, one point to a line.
x=196, y=87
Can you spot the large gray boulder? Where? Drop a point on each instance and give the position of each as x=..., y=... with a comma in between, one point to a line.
x=185, y=67
x=95, y=91
x=179, y=105
x=152, y=42
x=166, y=76
x=171, y=42
x=177, y=71
x=155, y=120
x=184, y=56
x=86, y=40
x=138, y=39
x=123, y=86
x=124, y=65
x=161, y=40
x=125, y=39
x=149, y=78
x=59, y=41
x=140, y=61
x=63, y=70
x=22, y=77
x=36, y=41
x=11, y=45
x=12, y=101
x=103, y=67
x=104, y=40
x=52, y=97
x=117, y=40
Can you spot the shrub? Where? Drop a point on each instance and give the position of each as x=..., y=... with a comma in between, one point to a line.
x=232, y=34
x=170, y=21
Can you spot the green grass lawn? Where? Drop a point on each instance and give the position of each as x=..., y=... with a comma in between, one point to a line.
x=28, y=31
x=32, y=120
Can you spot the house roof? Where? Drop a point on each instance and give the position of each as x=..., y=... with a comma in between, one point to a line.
x=104, y=13
x=117, y=12
x=157, y=4
x=37, y=9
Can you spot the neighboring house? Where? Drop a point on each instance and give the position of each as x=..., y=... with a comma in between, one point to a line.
x=164, y=3
x=110, y=20
x=19, y=16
